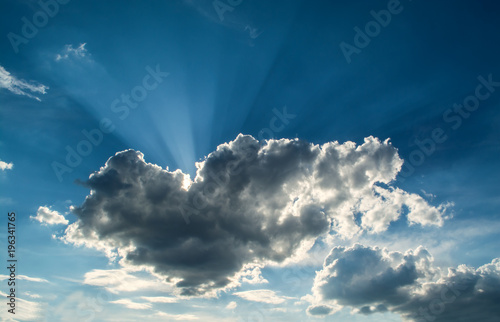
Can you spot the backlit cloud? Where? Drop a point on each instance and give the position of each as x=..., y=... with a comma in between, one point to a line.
x=47, y=216
x=250, y=204
x=371, y=280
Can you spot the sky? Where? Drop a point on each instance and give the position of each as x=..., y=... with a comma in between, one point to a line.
x=237, y=160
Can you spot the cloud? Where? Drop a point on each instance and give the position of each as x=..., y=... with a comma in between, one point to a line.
x=319, y=310
x=370, y=280
x=263, y=296
x=132, y=305
x=231, y=305
x=119, y=280
x=32, y=295
x=20, y=86
x=26, y=278
x=176, y=317
x=249, y=204
x=68, y=52
x=32, y=279
x=160, y=299
x=49, y=217
x=5, y=165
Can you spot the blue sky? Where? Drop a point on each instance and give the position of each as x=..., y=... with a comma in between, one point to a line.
x=179, y=81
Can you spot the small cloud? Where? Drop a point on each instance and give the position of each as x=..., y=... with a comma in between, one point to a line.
x=321, y=310
x=231, y=305
x=264, y=296
x=68, y=52
x=279, y=309
x=430, y=196
x=133, y=305
x=176, y=317
x=5, y=165
x=32, y=295
x=49, y=217
x=253, y=275
x=160, y=299
x=20, y=87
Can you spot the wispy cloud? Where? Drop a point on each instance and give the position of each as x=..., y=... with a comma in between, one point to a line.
x=32, y=295
x=119, y=280
x=26, y=278
x=231, y=305
x=133, y=305
x=160, y=299
x=264, y=296
x=5, y=165
x=177, y=317
x=20, y=86
x=69, y=52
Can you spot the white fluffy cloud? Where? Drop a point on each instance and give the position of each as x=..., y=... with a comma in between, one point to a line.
x=5, y=165
x=20, y=86
x=47, y=216
x=370, y=280
x=250, y=204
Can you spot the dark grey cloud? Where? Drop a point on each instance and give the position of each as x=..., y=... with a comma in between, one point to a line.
x=370, y=280
x=319, y=310
x=249, y=203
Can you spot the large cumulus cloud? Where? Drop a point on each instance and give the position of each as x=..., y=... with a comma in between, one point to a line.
x=370, y=280
x=248, y=204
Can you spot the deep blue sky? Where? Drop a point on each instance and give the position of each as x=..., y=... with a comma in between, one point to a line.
x=225, y=78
